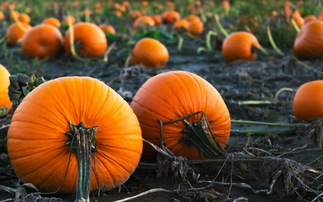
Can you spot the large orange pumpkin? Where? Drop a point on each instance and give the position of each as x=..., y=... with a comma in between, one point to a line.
x=60, y=122
x=238, y=46
x=42, y=41
x=308, y=101
x=89, y=39
x=309, y=41
x=150, y=53
x=16, y=31
x=4, y=84
x=175, y=94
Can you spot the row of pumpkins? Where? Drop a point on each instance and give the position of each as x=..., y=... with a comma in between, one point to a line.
x=46, y=40
x=47, y=126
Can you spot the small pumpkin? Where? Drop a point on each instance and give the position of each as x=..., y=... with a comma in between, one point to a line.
x=157, y=19
x=16, y=31
x=309, y=40
x=150, y=53
x=170, y=16
x=308, y=101
x=239, y=46
x=42, y=41
x=181, y=24
x=4, y=84
x=52, y=21
x=1, y=15
x=24, y=17
x=299, y=20
x=108, y=28
x=143, y=22
x=51, y=131
x=195, y=27
x=170, y=96
x=89, y=39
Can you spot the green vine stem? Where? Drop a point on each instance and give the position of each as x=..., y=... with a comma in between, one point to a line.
x=263, y=131
x=198, y=134
x=223, y=31
x=295, y=25
x=208, y=39
x=264, y=123
x=82, y=141
x=272, y=42
x=180, y=43
x=277, y=94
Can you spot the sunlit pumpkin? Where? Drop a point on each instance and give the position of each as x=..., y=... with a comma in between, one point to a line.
x=42, y=41
x=16, y=31
x=1, y=15
x=192, y=18
x=309, y=18
x=52, y=21
x=23, y=17
x=239, y=45
x=143, y=22
x=195, y=27
x=181, y=24
x=108, y=28
x=89, y=40
x=60, y=122
x=298, y=18
x=173, y=95
x=309, y=41
x=150, y=53
x=4, y=84
x=157, y=19
x=308, y=101
x=170, y=16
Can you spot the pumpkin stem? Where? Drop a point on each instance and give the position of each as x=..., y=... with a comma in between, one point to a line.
x=82, y=140
x=200, y=135
x=20, y=25
x=208, y=40
x=272, y=42
x=223, y=31
x=180, y=43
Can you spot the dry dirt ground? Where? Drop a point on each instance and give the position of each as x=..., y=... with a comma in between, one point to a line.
x=290, y=162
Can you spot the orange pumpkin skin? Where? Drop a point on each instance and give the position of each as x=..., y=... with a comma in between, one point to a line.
x=108, y=28
x=309, y=41
x=23, y=17
x=143, y=21
x=4, y=84
x=181, y=24
x=93, y=42
x=52, y=21
x=42, y=41
x=195, y=27
x=172, y=95
x=150, y=53
x=170, y=16
x=308, y=101
x=157, y=19
x=36, y=137
x=238, y=46
x=15, y=33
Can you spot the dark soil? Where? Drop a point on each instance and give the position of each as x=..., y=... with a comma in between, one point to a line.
x=281, y=175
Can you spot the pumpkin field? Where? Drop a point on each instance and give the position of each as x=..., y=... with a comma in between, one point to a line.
x=161, y=100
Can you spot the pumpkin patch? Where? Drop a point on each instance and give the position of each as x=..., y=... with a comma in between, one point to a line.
x=161, y=100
